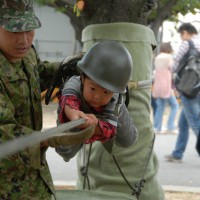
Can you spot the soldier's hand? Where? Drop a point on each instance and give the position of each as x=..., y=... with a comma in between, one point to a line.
x=71, y=138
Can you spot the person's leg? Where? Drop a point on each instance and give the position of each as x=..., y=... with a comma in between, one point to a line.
x=173, y=111
x=153, y=105
x=191, y=108
x=159, y=113
x=198, y=144
x=182, y=139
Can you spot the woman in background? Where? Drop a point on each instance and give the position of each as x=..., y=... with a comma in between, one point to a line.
x=163, y=89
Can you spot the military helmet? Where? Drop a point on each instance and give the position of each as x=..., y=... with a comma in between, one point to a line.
x=109, y=64
x=18, y=16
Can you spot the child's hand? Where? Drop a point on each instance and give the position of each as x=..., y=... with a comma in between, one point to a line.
x=73, y=114
x=92, y=120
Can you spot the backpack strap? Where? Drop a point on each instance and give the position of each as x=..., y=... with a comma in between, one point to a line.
x=193, y=50
x=184, y=59
x=191, y=44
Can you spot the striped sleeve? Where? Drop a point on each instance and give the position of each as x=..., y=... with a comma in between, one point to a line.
x=181, y=52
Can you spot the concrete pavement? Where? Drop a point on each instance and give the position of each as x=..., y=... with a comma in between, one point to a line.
x=172, y=176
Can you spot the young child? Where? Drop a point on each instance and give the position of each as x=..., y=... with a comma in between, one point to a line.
x=97, y=95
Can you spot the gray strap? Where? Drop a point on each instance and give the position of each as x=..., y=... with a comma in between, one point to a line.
x=36, y=137
x=83, y=155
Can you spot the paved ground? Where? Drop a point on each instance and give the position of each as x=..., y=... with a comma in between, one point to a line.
x=182, y=177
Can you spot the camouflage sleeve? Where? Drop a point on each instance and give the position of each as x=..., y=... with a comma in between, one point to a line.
x=46, y=71
x=10, y=129
x=6, y=116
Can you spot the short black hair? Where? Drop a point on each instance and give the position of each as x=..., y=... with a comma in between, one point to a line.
x=187, y=27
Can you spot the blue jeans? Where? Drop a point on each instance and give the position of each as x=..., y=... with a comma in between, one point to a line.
x=189, y=118
x=153, y=105
x=160, y=110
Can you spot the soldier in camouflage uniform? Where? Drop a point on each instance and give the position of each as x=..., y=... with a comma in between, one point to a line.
x=23, y=77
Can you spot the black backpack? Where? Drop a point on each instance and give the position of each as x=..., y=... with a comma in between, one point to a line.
x=187, y=75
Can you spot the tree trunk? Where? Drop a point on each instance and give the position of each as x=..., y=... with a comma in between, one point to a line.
x=109, y=11
x=163, y=13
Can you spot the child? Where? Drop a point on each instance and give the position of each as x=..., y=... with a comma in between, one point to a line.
x=97, y=94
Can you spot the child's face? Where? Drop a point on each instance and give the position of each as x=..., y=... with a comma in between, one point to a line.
x=94, y=94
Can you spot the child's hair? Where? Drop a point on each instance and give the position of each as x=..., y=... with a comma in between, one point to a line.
x=165, y=47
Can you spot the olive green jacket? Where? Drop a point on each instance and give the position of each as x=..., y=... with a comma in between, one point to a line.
x=24, y=175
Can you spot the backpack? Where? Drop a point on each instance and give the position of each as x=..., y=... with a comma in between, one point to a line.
x=187, y=75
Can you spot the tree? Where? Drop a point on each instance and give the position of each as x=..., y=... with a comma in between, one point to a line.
x=168, y=10
x=103, y=11
x=146, y=12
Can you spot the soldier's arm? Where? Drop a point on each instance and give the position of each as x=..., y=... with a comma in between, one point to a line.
x=9, y=128
x=45, y=69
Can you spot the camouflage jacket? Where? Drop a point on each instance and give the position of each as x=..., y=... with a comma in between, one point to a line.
x=24, y=175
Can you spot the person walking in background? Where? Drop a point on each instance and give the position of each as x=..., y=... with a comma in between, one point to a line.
x=162, y=89
x=190, y=114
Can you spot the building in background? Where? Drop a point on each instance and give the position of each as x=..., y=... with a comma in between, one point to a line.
x=55, y=39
